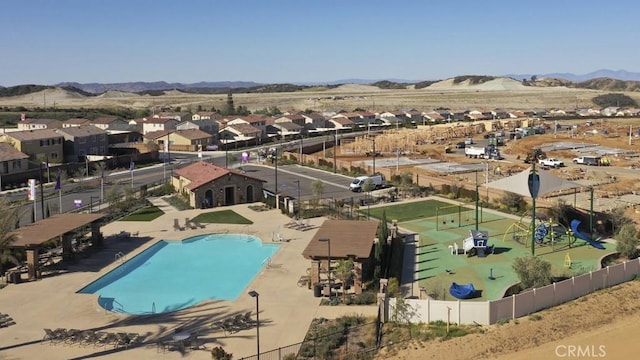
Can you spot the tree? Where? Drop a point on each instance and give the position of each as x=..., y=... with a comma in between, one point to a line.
x=317, y=188
x=113, y=196
x=344, y=272
x=230, y=109
x=532, y=271
x=8, y=219
x=514, y=202
x=627, y=241
x=403, y=312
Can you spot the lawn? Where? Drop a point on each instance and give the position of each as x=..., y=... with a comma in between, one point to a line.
x=222, y=217
x=145, y=214
x=412, y=211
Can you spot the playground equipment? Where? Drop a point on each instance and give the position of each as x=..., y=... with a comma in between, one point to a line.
x=455, y=216
x=477, y=243
x=460, y=291
x=547, y=232
x=574, y=228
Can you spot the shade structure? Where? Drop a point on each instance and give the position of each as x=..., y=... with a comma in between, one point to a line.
x=519, y=183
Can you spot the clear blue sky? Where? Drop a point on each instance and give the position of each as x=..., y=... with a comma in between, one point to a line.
x=274, y=41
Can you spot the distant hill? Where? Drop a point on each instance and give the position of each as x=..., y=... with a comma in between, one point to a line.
x=602, y=73
x=136, y=87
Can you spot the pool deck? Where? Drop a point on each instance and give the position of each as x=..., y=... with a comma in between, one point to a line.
x=286, y=310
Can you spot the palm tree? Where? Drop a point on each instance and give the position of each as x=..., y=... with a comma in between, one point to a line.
x=8, y=220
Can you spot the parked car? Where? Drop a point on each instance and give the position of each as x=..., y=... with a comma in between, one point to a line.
x=460, y=145
x=553, y=162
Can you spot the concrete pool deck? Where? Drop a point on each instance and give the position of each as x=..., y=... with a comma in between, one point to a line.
x=286, y=310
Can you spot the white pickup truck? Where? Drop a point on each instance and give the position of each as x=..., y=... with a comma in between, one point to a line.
x=552, y=162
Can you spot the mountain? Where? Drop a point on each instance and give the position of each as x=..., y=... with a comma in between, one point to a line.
x=140, y=86
x=602, y=73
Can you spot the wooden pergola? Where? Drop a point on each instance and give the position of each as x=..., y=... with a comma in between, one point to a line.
x=61, y=226
x=341, y=240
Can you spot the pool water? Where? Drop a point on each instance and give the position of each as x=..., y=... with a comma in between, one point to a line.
x=174, y=275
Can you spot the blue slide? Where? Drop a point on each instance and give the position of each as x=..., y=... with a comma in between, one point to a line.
x=574, y=227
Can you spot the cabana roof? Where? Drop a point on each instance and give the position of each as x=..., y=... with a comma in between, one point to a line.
x=35, y=234
x=347, y=237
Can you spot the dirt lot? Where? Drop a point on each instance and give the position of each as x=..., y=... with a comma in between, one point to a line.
x=604, y=324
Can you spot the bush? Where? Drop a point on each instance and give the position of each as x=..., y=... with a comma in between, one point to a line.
x=532, y=271
x=218, y=353
x=365, y=298
x=627, y=241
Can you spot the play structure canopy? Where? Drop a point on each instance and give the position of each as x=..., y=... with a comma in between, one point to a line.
x=518, y=183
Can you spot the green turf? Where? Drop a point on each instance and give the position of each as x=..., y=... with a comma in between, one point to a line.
x=412, y=210
x=145, y=214
x=222, y=217
x=434, y=256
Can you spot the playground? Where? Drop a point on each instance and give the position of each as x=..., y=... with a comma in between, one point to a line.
x=451, y=251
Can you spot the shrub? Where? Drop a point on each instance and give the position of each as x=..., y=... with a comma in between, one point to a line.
x=627, y=241
x=532, y=271
x=218, y=353
x=365, y=298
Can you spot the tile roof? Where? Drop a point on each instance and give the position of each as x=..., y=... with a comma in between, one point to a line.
x=34, y=134
x=158, y=120
x=347, y=237
x=245, y=129
x=38, y=121
x=105, y=120
x=201, y=173
x=80, y=131
x=193, y=134
x=77, y=121
x=8, y=152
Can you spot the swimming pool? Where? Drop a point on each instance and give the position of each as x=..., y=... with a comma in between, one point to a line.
x=174, y=275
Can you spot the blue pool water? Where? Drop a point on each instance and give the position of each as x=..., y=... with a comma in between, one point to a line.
x=173, y=275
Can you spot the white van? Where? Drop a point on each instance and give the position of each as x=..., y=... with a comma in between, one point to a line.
x=357, y=183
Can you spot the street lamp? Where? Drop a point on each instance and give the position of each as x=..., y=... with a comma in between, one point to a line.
x=298, y=199
x=255, y=294
x=328, y=260
x=374, y=153
x=91, y=203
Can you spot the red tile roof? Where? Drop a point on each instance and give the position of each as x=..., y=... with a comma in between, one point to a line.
x=201, y=173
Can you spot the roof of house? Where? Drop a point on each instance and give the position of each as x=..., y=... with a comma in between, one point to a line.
x=251, y=119
x=342, y=121
x=8, y=152
x=39, y=121
x=289, y=126
x=106, y=120
x=245, y=129
x=78, y=121
x=154, y=120
x=80, y=131
x=200, y=173
x=27, y=135
x=347, y=238
x=192, y=134
x=152, y=135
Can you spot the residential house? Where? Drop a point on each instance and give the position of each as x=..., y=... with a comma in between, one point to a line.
x=207, y=185
x=285, y=130
x=75, y=122
x=39, y=124
x=37, y=144
x=182, y=140
x=434, y=117
x=81, y=141
x=340, y=123
x=257, y=121
x=359, y=118
x=11, y=160
x=206, y=125
x=203, y=115
x=314, y=122
x=111, y=123
x=297, y=119
x=178, y=116
x=240, y=133
x=158, y=124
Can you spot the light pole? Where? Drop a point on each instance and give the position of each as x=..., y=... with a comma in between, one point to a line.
x=298, y=199
x=374, y=153
x=335, y=149
x=255, y=294
x=328, y=241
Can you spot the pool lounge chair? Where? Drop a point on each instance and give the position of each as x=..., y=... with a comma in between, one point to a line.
x=176, y=225
x=53, y=336
x=197, y=223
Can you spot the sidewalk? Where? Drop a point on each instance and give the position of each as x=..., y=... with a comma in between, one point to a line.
x=162, y=204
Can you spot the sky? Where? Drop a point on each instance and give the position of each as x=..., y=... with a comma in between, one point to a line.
x=46, y=42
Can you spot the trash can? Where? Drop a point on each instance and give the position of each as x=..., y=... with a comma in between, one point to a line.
x=317, y=290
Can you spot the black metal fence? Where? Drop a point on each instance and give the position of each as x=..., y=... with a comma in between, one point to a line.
x=355, y=342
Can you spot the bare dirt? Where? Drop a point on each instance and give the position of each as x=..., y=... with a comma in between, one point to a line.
x=604, y=324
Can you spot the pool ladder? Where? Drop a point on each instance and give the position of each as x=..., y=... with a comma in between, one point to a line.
x=120, y=257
